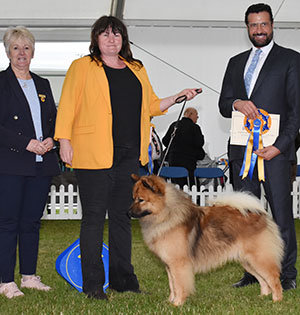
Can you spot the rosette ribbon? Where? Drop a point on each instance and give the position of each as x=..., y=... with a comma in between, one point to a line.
x=256, y=128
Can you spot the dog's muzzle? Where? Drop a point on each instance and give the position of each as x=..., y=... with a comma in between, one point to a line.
x=132, y=214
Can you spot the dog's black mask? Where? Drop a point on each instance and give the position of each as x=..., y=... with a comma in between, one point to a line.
x=138, y=215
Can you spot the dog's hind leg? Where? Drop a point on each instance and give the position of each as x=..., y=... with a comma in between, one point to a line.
x=268, y=274
x=264, y=287
x=271, y=275
x=183, y=279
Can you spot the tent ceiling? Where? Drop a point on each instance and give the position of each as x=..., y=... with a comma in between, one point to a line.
x=71, y=20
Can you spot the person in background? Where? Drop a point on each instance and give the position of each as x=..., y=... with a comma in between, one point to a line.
x=103, y=126
x=267, y=77
x=27, y=161
x=187, y=146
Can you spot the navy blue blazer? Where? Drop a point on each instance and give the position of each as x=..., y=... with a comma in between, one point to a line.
x=17, y=129
x=277, y=90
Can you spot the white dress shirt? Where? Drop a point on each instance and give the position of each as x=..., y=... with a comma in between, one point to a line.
x=262, y=58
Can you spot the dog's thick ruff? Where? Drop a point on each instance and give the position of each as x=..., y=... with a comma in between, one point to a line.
x=189, y=239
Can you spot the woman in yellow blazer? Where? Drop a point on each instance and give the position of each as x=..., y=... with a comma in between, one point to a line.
x=103, y=127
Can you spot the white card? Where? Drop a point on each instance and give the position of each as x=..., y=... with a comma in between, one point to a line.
x=239, y=135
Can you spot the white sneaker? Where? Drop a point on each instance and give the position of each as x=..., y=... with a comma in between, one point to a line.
x=10, y=290
x=34, y=282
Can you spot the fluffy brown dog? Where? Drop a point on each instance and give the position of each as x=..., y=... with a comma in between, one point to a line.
x=189, y=239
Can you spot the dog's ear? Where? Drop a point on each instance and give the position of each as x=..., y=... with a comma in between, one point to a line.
x=152, y=183
x=135, y=177
x=147, y=185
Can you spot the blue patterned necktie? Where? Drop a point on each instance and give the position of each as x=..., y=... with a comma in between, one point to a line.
x=250, y=71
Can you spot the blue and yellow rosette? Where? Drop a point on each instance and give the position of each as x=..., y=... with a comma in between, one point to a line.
x=256, y=128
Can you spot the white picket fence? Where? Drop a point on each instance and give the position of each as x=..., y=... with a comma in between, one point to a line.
x=64, y=204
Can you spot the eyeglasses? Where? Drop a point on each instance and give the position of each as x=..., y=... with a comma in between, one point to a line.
x=262, y=24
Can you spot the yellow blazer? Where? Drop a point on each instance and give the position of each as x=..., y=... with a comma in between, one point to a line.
x=85, y=115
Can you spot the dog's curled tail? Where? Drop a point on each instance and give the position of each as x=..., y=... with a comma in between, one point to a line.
x=245, y=202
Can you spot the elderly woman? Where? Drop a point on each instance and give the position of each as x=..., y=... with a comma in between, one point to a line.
x=103, y=126
x=27, y=161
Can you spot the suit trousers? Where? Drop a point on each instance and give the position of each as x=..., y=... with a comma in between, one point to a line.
x=277, y=188
x=22, y=200
x=107, y=191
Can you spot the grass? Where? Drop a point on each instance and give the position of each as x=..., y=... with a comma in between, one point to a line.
x=214, y=294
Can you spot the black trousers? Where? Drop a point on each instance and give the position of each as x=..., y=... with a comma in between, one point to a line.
x=175, y=160
x=22, y=200
x=277, y=187
x=102, y=191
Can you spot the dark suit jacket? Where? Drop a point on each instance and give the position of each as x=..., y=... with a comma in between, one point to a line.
x=187, y=143
x=16, y=126
x=277, y=90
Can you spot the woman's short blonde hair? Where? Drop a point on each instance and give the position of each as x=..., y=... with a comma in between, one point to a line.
x=14, y=33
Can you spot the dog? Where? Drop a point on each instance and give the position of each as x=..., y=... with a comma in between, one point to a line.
x=190, y=239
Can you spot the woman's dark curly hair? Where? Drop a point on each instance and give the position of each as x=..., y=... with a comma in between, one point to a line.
x=117, y=26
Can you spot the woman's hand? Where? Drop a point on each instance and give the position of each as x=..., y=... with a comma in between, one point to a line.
x=36, y=147
x=189, y=93
x=66, y=151
x=48, y=143
x=171, y=100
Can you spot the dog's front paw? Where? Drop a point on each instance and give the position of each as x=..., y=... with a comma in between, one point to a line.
x=171, y=298
x=178, y=302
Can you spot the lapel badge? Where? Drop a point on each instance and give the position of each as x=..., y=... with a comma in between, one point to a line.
x=42, y=97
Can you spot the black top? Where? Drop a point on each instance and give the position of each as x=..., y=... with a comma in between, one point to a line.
x=126, y=99
x=187, y=143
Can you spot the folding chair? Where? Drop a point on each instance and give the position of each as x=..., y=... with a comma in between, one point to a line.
x=209, y=173
x=298, y=170
x=170, y=172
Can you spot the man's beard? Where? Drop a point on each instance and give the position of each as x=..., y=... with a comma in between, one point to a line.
x=258, y=43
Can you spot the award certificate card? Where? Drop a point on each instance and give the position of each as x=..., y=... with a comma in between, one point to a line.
x=239, y=135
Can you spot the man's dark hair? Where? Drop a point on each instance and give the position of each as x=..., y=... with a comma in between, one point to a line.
x=259, y=7
x=117, y=26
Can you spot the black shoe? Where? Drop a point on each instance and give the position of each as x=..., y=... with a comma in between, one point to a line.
x=121, y=290
x=124, y=283
x=246, y=280
x=288, y=284
x=97, y=295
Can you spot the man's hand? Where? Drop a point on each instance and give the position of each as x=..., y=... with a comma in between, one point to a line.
x=247, y=108
x=268, y=153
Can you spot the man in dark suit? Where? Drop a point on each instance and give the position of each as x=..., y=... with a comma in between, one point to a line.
x=187, y=146
x=274, y=87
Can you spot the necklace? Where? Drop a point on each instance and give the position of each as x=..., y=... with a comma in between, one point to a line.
x=23, y=83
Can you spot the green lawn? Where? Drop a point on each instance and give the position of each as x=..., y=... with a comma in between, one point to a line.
x=214, y=294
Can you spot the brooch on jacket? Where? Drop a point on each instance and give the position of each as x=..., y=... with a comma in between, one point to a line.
x=42, y=97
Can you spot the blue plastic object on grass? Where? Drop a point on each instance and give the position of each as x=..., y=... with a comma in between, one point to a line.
x=68, y=265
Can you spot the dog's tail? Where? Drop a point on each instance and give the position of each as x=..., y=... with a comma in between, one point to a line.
x=245, y=202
